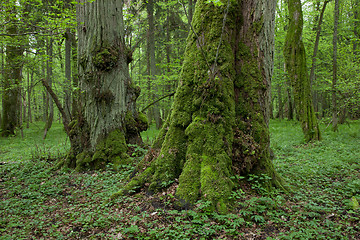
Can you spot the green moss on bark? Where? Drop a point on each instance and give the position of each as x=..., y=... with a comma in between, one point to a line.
x=106, y=58
x=220, y=94
x=112, y=150
x=142, y=122
x=295, y=62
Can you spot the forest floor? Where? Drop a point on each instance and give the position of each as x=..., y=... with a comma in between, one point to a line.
x=39, y=203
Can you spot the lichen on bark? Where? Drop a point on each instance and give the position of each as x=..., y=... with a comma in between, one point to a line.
x=221, y=98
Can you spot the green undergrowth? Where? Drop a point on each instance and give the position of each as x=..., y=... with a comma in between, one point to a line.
x=150, y=134
x=37, y=203
x=32, y=145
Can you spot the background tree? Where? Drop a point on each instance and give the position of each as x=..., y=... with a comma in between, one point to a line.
x=335, y=40
x=11, y=98
x=219, y=119
x=295, y=62
x=108, y=117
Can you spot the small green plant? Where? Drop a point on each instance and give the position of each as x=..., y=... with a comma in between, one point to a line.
x=260, y=183
x=38, y=202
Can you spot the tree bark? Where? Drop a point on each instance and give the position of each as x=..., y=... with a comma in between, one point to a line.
x=290, y=113
x=218, y=126
x=11, y=99
x=280, y=102
x=191, y=10
x=295, y=63
x=2, y=73
x=49, y=73
x=151, y=66
x=334, y=80
x=65, y=118
x=107, y=119
x=29, y=90
x=67, y=87
x=317, y=40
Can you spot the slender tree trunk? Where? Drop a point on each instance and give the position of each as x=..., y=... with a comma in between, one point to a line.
x=271, y=110
x=290, y=101
x=2, y=73
x=280, y=102
x=334, y=80
x=152, y=71
x=169, y=86
x=25, y=99
x=75, y=81
x=191, y=10
x=67, y=85
x=149, y=43
x=21, y=119
x=107, y=117
x=219, y=120
x=29, y=90
x=356, y=28
x=295, y=62
x=49, y=73
x=317, y=40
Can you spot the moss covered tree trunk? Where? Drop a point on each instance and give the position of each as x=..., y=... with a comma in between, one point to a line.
x=107, y=117
x=219, y=121
x=12, y=77
x=295, y=63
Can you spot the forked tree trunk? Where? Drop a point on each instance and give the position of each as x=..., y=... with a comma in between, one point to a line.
x=219, y=121
x=295, y=63
x=108, y=117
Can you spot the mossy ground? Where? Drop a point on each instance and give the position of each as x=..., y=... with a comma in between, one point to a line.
x=39, y=203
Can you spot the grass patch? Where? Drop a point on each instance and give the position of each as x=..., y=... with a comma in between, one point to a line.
x=16, y=148
x=37, y=203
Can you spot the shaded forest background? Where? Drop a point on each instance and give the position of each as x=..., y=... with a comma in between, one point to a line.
x=42, y=34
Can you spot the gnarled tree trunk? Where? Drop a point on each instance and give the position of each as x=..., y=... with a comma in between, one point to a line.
x=219, y=120
x=107, y=117
x=295, y=63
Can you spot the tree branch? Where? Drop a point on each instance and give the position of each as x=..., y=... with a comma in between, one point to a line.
x=158, y=100
x=65, y=119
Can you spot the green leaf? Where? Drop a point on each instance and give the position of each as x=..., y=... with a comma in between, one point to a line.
x=217, y=3
x=355, y=203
